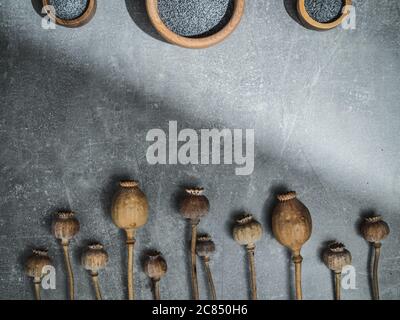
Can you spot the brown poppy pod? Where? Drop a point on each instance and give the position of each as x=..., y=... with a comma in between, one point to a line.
x=34, y=267
x=36, y=262
x=246, y=232
x=155, y=268
x=94, y=259
x=65, y=226
x=292, y=226
x=374, y=230
x=130, y=211
x=336, y=257
x=205, y=247
x=195, y=204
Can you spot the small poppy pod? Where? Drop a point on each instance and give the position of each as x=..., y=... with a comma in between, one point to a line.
x=336, y=257
x=94, y=258
x=65, y=226
x=130, y=209
x=374, y=229
x=155, y=265
x=247, y=230
x=36, y=262
x=291, y=221
x=204, y=246
x=194, y=204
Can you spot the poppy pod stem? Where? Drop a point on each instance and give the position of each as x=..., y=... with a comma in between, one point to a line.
x=210, y=278
x=156, y=289
x=297, y=260
x=375, y=281
x=36, y=283
x=338, y=279
x=65, y=246
x=253, y=283
x=130, y=242
x=195, y=286
x=96, y=284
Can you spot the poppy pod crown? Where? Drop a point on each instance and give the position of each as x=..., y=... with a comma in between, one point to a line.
x=287, y=196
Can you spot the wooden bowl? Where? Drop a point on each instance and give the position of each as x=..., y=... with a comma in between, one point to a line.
x=77, y=22
x=189, y=42
x=313, y=24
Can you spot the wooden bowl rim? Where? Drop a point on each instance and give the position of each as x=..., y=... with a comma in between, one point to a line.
x=194, y=43
x=320, y=25
x=84, y=18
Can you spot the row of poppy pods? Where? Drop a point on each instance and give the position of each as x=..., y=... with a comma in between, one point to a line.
x=291, y=226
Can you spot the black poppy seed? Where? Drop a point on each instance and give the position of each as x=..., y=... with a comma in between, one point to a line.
x=69, y=9
x=191, y=18
x=324, y=11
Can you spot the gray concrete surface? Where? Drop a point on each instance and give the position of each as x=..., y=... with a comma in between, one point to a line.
x=76, y=106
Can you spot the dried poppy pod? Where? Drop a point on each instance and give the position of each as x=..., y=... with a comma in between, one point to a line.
x=336, y=257
x=374, y=230
x=193, y=207
x=130, y=211
x=65, y=227
x=292, y=226
x=155, y=267
x=194, y=204
x=247, y=231
x=34, y=267
x=93, y=259
x=205, y=247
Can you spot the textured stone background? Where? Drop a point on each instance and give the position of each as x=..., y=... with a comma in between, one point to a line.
x=76, y=106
